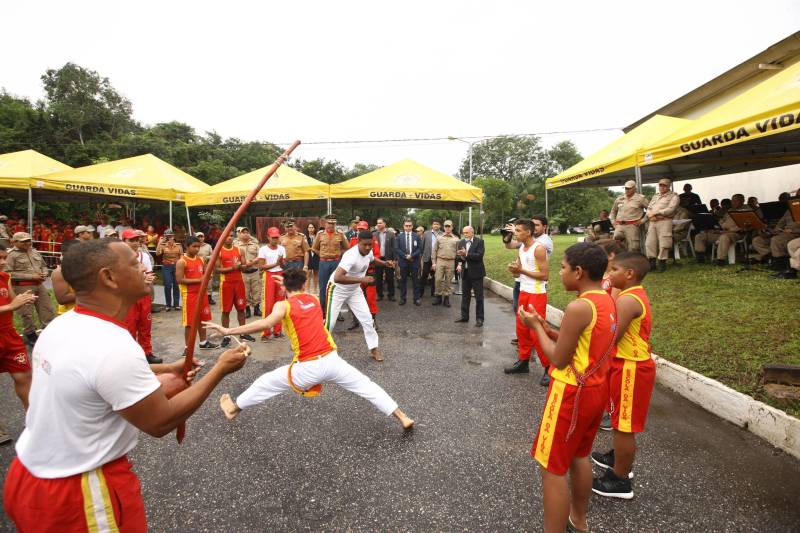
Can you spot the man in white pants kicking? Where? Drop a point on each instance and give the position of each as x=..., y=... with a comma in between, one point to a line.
x=345, y=287
x=315, y=359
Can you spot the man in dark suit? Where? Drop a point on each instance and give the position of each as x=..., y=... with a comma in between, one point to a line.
x=384, y=275
x=470, y=264
x=407, y=251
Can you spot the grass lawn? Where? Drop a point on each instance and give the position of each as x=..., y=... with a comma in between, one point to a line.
x=713, y=320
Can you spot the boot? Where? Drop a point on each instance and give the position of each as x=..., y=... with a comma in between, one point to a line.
x=447, y=301
x=437, y=301
x=247, y=312
x=662, y=265
x=779, y=263
x=520, y=367
x=652, y=264
x=786, y=274
x=257, y=310
x=355, y=324
x=700, y=257
x=31, y=338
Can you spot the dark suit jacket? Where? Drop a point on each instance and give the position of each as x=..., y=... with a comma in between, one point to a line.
x=388, y=245
x=474, y=259
x=400, y=251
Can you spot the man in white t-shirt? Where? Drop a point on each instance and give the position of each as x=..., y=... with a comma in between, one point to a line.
x=271, y=258
x=345, y=287
x=90, y=399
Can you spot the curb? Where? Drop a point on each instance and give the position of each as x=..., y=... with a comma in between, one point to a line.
x=772, y=425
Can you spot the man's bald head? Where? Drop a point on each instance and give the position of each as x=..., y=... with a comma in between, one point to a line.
x=468, y=232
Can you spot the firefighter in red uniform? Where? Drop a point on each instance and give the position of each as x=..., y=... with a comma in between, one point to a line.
x=370, y=292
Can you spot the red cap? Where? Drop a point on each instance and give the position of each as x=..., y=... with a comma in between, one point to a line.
x=362, y=225
x=273, y=232
x=130, y=234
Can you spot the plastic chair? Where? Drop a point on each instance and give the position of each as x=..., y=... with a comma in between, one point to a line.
x=731, y=251
x=676, y=245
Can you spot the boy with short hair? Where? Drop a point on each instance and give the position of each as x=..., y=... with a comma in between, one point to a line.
x=271, y=260
x=631, y=376
x=13, y=355
x=189, y=273
x=231, y=286
x=579, y=355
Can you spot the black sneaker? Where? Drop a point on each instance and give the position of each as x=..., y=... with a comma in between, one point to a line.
x=226, y=341
x=605, y=423
x=153, y=360
x=606, y=460
x=611, y=486
x=545, y=380
x=31, y=338
x=514, y=341
x=257, y=310
x=520, y=367
x=246, y=337
x=208, y=345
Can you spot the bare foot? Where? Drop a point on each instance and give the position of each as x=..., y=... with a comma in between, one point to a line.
x=404, y=420
x=376, y=354
x=229, y=407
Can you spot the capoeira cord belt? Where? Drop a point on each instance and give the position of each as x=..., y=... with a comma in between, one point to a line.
x=310, y=392
x=581, y=379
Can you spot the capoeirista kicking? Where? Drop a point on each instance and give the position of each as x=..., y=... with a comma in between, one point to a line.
x=315, y=360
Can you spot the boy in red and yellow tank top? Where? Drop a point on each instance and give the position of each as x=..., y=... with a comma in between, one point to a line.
x=315, y=360
x=189, y=273
x=631, y=377
x=13, y=355
x=231, y=286
x=579, y=354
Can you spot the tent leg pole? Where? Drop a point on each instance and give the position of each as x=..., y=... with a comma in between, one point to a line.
x=188, y=220
x=30, y=210
x=638, y=179
x=170, y=214
x=546, y=205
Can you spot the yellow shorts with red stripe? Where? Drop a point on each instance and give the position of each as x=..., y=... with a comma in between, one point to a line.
x=189, y=303
x=630, y=387
x=551, y=448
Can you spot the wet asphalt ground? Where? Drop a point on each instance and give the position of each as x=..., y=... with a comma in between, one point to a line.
x=335, y=463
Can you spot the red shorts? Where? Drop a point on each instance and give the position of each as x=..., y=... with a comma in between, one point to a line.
x=631, y=384
x=105, y=498
x=13, y=354
x=189, y=303
x=231, y=294
x=551, y=448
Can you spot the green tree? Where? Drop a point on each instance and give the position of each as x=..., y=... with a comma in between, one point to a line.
x=497, y=199
x=327, y=171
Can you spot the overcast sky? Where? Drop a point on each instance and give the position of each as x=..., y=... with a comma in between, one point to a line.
x=342, y=71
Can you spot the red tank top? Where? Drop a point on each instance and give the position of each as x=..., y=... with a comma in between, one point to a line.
x=304, y=326
x=6, y=319
x=594, y=341
x=227, y=257
x=193, y=269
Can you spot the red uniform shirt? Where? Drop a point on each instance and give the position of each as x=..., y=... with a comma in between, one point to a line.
x=6, y=319
x=304, y=327
x=193, y=269
x=227, y=258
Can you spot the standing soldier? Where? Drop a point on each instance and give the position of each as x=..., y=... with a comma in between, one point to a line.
x=28, y=272
x=296, y=247
x=443, y=256
x=329, y=245
x=660, y=212
x=627, y=214
x=248, y=247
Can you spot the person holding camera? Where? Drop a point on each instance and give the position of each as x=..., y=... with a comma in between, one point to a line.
x=170, y=251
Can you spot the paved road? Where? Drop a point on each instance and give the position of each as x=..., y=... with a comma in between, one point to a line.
x=335, y=463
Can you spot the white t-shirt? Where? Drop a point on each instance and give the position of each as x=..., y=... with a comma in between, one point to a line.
x=146, y=260
x=272, y=256
x=85, y=368
x=101, y=230
x=527, y=260
x=545, y=239
x=355, y=265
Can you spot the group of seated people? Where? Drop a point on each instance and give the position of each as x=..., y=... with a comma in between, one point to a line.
x=714, y=227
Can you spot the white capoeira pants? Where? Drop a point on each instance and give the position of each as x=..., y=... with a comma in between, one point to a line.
x=353, y=296
x=306, y=374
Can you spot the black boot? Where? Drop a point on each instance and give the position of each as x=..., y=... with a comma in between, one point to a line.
x=437, y=301
x=153, y=360
x=779, y=263
x=31, y=338
x=700, y=257
x=520, y=367
x=355, y=324
x=787, y=274
x=257, y=310
x=652, y=264
x=247, y=312
x=662, y=265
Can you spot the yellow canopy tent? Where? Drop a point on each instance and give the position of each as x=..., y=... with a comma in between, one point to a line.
x=17, y=169
x=757, y=129
x=286, y=187
x=407, y=184
x=143, y=177
x=615, y=163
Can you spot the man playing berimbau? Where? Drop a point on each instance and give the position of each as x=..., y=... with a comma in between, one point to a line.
x=315, y=361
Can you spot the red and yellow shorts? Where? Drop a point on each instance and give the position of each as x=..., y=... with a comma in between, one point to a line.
x=231, y=294
x=551, y=448
x=630, y=384
x=189, y=304
x=13, y=355
x=108, y=498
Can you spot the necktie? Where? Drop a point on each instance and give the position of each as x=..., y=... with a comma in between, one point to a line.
x=408, y=243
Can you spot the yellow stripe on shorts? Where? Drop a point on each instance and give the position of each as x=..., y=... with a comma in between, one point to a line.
x=547, y=428
x=626, y=389
x=97, y=503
